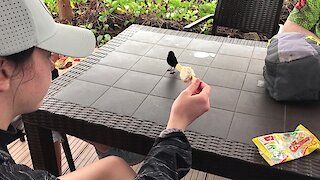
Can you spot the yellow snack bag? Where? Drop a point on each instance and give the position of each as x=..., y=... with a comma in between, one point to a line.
x=282, y=147
x=64, y=62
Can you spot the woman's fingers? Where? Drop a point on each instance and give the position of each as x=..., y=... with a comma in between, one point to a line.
x=192, y=88
x=205, y=89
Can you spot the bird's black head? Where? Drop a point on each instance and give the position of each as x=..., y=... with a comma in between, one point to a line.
x=171, y=59
x=171, y=54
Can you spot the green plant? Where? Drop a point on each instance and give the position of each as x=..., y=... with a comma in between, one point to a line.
x=168, y=9
x=78, y=1
x=207, y=8
x=52, y=6
x=207, y=27
x=102, y=39
x=99, y=31
x=131, y=11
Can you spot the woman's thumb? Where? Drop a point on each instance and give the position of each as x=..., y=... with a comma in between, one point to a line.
x=193, y=86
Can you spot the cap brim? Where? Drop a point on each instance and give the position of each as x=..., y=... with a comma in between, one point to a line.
x=70, y=41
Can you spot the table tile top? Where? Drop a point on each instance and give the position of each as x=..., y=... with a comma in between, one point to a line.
x=259, y=53
x=244, y=127
x=120, y=60
x=175, y=41
x=132, y=79
x=233, y=63
x=196, y=57
x=146, y=36
x=82, y=92
x=224, y=78
x=151, y=66
x=216, y=122
x=135, y=47
x=204, y=45
x=120, y=101
x=161, y=52
x=256, y=66
x=155, y=109
x=236, y=50
x=103, y=74
x=137, y=81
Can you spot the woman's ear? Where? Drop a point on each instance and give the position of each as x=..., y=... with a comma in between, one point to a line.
x=6, y=71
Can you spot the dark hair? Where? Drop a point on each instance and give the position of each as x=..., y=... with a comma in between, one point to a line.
x=20, y=58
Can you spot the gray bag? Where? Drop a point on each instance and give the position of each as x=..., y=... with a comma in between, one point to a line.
x=292, y=67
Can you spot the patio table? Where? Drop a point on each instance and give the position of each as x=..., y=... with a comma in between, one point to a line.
x=121, y=96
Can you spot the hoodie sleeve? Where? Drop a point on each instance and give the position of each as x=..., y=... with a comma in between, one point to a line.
x=170, y=158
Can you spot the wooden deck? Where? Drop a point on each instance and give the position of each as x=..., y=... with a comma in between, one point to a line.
x=83, y=154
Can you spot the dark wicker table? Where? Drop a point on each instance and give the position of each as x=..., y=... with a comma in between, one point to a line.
x=122, y=94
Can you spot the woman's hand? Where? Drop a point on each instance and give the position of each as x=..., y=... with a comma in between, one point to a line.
x=189, y=105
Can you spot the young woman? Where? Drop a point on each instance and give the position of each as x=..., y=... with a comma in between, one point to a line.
x=28, y=37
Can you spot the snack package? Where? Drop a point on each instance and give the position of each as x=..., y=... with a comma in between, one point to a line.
x=64, y=62
x=282, y=147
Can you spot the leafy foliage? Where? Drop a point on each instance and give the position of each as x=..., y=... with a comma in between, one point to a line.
x=136, y=11
x=52, y=6
x=115, y=15
x=107, y=18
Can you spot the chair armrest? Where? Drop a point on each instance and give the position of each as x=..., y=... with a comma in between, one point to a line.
x=198, y=21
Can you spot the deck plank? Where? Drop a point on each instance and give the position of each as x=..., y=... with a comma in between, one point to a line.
x=201, y=175
x=83, y=154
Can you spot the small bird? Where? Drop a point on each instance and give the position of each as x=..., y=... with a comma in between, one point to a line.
x=172, y=61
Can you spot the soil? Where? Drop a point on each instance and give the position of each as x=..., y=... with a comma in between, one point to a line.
x=89, y=13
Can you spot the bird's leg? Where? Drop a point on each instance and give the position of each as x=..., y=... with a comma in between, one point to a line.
x=170, y=69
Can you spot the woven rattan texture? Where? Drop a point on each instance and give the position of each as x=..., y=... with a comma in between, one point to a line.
x=250, y=15
x=201, y=143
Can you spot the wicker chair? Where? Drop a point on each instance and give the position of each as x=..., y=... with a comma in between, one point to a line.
x=260, y=16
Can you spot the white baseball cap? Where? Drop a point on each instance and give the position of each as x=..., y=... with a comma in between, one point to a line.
x=28, y=23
